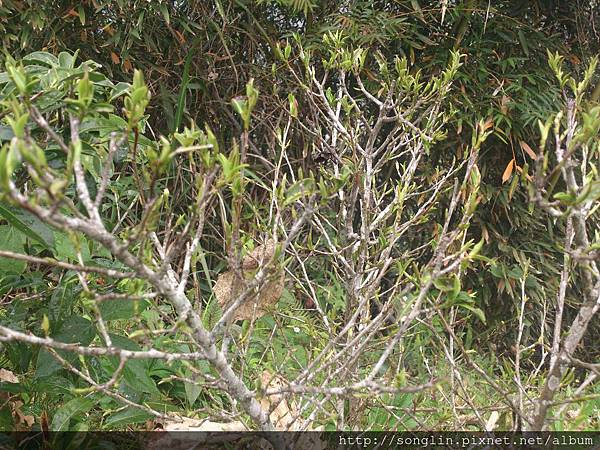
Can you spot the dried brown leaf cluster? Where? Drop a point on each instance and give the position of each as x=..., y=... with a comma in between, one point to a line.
x=22, y=421
x=229, y=285
x=284, y=414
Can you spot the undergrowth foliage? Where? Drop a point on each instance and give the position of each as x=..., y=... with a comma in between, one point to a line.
x=320, y=272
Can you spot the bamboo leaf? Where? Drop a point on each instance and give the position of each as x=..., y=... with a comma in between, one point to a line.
x=527, y=149
x=508, y=171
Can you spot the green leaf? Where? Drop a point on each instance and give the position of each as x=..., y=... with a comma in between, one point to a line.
x=476, y=249
x=136, y=372
x=567, y=198
x=81, y=14
x=70, y=410
x=293, y=105
x=62, y=303
x=12, y=241
x=443, y=284
x=523, y=42
x=75, y=330
x=8, y=162
x=6, y=418
x=477, y=311
x=13, y=388
x=28, y=224
x=126, y=417
x=66, y=248
x=298, y=190
x=417, y=9
x=185, y=79
x=119, y=89
x=192, y=391
x=66, y=60
x=121, y=309
x=240, y=105
x=165, y=12
x=43, y=58
x=54, y=385
x=6, y=133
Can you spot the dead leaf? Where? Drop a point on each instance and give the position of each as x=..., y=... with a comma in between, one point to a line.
x=171, y=435
x=115, y=58
x=508, y=171
x=490, y=425
x=27, y=420
x=110, y=30
x=285, y=412
x=504, y=104
x=345, y=21
x=444, y=7
x=229, y=286
x=487, y=124
x=527, y=149
x=501, y=286
x=260, y=255
x=8, y=377
x=189, y=424
x=498, y=89
x=44, y=425
x=180, y=37
x=520, y=170
x=22, y=421
x=284, y=415
x=217, y=433
x=485, y=234
x=127, y=66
